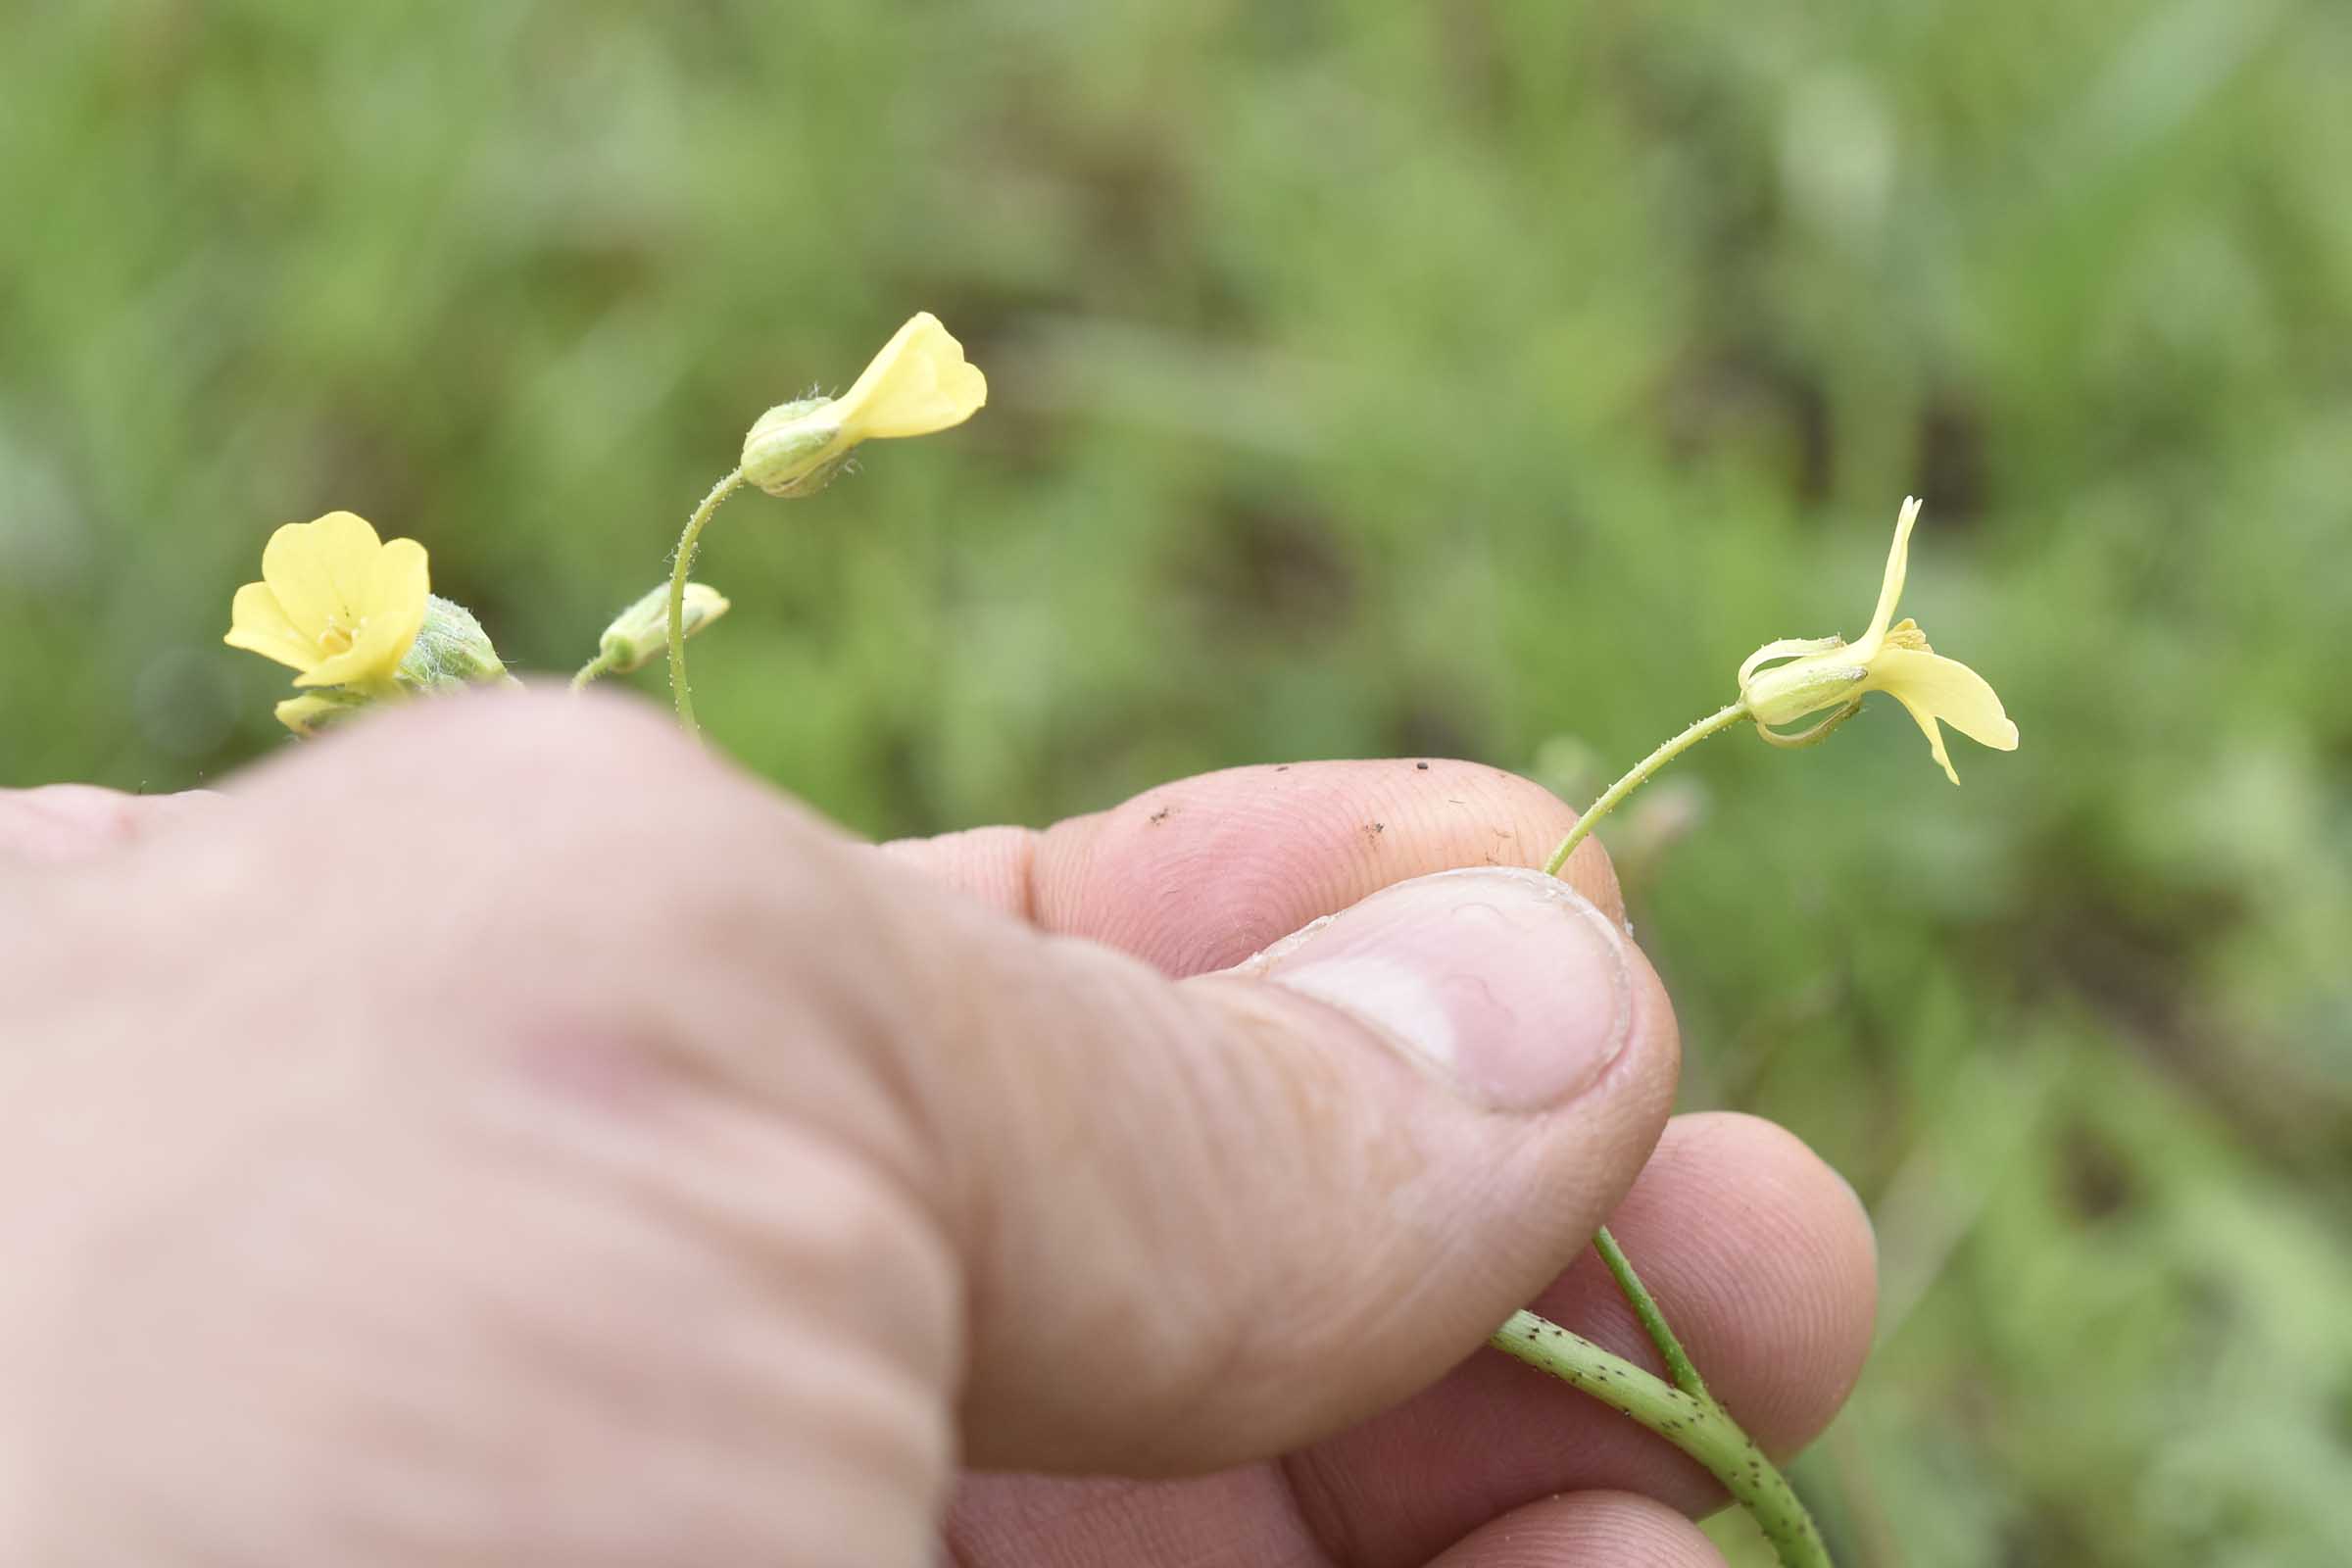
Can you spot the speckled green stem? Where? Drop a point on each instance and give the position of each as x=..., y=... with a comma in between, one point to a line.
x=1692, y=1423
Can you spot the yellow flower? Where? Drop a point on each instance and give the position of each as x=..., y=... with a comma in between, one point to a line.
x=1824, y=673
x=920, y=382
x=334, y=602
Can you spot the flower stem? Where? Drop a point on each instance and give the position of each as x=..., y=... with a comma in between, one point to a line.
x=1640, y=776
x=683, y=564
x=1693, y=1423
x=1653, y=1322
x=595, y=669
x=1685, y=1415
x=1644, y=1306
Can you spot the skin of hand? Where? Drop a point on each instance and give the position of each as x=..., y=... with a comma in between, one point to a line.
x=504, y=1134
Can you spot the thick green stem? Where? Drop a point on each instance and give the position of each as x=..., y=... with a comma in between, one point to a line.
x=677, y=595
x=1692, y=1423
x=1640, y=776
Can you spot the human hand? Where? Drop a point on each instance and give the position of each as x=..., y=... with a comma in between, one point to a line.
x=501, y=1133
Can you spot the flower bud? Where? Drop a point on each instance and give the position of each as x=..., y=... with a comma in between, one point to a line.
x=795, y=449
x=1788, y=692
x=451, y=649
x=640, y=633
x=919, y=383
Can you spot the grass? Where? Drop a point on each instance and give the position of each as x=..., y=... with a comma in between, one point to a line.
x=1482, y=379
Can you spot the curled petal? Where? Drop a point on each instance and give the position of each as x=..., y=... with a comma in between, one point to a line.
x=304, y=715
x=1927, y=726
x=1899, y=561
x=1948, y=689
x=920, y=382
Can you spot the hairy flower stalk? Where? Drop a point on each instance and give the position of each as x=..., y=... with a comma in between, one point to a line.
x=918, y=384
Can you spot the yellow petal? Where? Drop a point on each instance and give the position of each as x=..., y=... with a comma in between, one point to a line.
x=301, y=713
x=1948, y=689
x=1892, y=588
x=1927, y=723
x=319, y=569
x=258, y=624
x=392, y=600
x=920, y=382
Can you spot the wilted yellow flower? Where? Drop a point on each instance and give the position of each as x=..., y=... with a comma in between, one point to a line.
x=335, y=603
x=1824, y=673
x=920, y=382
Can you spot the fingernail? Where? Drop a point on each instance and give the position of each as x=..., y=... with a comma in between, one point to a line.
x=1508, y=983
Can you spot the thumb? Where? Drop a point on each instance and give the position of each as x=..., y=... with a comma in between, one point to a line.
x=1208, y=1220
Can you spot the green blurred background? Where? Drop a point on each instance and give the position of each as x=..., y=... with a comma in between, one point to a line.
x=1480, y=378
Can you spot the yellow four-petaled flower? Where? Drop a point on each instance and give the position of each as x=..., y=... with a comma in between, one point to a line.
x=1828, y=674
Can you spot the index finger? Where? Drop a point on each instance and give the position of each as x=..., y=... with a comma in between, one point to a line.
x=1199, y=874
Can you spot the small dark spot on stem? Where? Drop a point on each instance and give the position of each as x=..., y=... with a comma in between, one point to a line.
x=1421, y=767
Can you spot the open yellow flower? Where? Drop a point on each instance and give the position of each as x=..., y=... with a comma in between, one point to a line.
x=1828, y=674
x=920, y=382
x=335, y=603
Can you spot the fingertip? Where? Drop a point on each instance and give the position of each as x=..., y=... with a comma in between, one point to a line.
x=1376, y=1140
x=1197, y=874
x=1616, y=1529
